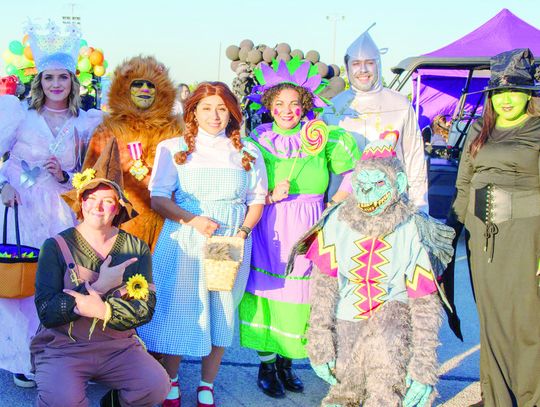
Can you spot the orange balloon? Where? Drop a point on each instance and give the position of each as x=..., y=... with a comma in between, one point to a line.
x=28, y=53
x=99, y=70
x=25, y=39
x=96, y=58
x=85, y=52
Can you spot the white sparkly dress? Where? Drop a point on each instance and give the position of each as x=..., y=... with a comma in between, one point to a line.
x=42, y=212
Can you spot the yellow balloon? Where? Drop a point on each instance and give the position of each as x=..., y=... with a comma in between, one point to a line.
x=8, y=56
x=18, y=61
x=28, y=53
x=27, y=63
x=99, y=70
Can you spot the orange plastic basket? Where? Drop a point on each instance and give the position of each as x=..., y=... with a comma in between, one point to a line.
x=18, y=264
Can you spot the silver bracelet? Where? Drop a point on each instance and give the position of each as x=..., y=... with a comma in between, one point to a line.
x=245, y=229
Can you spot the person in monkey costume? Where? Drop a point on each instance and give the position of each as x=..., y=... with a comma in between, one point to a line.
x=141, y=98
x=375, y=307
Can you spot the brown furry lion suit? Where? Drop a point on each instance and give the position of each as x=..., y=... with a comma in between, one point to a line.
x=130, y=123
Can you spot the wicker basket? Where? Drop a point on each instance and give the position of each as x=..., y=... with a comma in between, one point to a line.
x=221, y=274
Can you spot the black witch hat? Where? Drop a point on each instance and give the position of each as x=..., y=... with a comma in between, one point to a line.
x=513, y=70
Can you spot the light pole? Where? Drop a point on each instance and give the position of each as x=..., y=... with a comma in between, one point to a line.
x=334, y=18
x=219, y=63
x=72, y=19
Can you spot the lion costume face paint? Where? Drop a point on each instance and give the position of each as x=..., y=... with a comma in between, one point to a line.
x=143, y=93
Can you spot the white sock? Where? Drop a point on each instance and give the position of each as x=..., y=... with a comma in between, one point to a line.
x=175, y=390
x=206, y=396
x=268, y=357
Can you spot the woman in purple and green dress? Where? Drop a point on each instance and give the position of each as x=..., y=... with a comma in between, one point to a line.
x=274, y=311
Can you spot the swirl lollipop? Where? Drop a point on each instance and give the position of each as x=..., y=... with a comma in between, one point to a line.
x=314, y=136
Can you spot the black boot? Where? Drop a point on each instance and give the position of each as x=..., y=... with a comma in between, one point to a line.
x=269, y=382
x=110, y=399
x=287, y=375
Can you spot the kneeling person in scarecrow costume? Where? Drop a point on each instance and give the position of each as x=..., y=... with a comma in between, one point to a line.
x=375, y=309
x=93, y=288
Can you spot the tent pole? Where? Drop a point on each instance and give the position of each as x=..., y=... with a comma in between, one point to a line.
x=418, y=83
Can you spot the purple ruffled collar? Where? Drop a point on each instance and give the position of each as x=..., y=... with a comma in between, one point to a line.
x=279, y=142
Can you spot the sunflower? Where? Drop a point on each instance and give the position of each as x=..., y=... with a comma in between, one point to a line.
x=137, y=287
x=80, y=179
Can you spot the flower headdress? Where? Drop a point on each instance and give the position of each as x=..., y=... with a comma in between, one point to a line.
x=297, y=72
x=53, y=49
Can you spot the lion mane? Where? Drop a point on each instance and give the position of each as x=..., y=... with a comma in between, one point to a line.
x=128, y=123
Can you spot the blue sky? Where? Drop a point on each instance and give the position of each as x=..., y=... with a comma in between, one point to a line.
x=186, y=35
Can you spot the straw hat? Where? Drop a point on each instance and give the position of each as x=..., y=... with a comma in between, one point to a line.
x=107, y=170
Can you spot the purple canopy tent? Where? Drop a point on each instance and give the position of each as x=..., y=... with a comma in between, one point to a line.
x=440, y=76
x=442, y=79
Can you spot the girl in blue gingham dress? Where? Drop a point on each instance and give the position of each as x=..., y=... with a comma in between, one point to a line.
x=209, y=182
x=188, y=318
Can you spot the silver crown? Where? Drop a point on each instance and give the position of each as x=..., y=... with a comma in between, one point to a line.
x=52, y=47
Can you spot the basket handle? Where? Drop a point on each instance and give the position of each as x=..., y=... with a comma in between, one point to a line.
x=17, y=234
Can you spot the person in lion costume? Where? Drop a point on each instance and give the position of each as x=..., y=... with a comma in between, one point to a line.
x=141, y=98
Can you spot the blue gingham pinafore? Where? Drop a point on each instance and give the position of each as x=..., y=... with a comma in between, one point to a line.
x=189, y=319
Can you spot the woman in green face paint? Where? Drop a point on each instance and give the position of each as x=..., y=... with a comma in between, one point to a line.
x=498, y=200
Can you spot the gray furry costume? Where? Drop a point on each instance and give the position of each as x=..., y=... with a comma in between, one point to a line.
x=375, y=306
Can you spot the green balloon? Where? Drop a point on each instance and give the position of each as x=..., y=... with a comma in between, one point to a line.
x=26, y=78
x=16, y=47
x=85, y=78
x=84, y=43
x=84, y=65
x=105, y=64
x=11, y=69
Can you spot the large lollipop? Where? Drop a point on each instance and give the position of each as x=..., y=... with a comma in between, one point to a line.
x=314, y=136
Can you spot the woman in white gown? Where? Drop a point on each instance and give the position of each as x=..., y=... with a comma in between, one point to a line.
x=45, y=140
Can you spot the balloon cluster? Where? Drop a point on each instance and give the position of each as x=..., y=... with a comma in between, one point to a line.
x=245, y=57
x=19, y=61
x=91, y=62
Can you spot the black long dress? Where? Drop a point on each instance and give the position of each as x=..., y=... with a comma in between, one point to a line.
x=505, y=250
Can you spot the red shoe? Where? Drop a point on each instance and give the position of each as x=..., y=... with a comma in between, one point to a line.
x=203, y=388
x=174, y=402
x=171, y=403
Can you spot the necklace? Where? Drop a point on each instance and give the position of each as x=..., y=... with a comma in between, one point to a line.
x=55, y=119
x=50, y=109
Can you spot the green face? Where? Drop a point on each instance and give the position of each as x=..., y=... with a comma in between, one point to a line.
x=510, y=106
x=373, y=190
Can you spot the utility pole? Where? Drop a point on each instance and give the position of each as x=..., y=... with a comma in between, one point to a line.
x=219, y=63
x=72, y=19
x=334, y=18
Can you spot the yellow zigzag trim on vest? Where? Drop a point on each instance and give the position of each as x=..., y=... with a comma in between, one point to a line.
x=379, y=149
x=418, y=271
x=330, y=250
x=375, y=260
